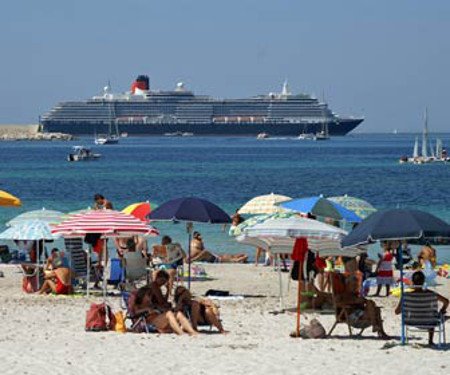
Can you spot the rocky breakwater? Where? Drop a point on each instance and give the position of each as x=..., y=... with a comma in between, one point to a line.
x=30, y=133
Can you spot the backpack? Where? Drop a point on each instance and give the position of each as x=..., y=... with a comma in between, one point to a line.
x=96, y=318
x=314, y=330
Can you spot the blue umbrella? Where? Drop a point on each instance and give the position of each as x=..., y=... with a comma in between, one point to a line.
x=399, y=224
x=320, y=206
x=190, y=210
x=28, y=230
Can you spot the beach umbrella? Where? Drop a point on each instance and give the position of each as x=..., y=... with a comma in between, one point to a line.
x=140, y=210
x=190, y=210
x=399, y=224
x=46, y=216
x=264, y=204
x=29, y=230
x=239, y=229
x=359, y=206
x=9, y=200
x=320, y=206
x=107, y=223
x=296, y=230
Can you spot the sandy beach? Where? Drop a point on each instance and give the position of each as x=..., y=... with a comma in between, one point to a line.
x=45, y=334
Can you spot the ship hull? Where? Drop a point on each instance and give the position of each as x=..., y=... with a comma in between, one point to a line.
x=341, y=128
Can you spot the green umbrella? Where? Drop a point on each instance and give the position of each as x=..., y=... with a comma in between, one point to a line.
x=359, y=206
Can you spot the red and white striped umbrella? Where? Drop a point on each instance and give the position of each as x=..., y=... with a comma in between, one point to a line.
x=109, y=223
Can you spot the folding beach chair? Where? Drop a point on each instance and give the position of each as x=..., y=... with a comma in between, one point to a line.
x=421, y=314
x=343, y=312
x=78, y=260
x=138, y=321
x=135, y=268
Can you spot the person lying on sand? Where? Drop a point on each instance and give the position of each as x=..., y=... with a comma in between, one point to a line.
x=57, y=281
x=164, y=321
x=200, y=311
x=364, y=309
x=199, y=253
x=418, y=279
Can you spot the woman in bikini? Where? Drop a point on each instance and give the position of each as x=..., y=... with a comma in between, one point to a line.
x=200, y=254
x=200, y=311
x=57, y=281
x=149, y=299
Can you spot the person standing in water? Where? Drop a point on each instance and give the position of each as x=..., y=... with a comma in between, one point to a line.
x=101, y=203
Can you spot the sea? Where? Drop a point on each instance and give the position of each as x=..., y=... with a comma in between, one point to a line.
x=225, y=170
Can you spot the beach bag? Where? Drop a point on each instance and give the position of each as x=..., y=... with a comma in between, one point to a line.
x=30, y=284
x=99, y=317
x=314, y=330
x=120, y=322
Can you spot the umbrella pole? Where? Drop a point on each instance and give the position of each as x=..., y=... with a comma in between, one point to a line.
x=189, y=227
x=37, y=260
x=402, y=290
x=88, y=265
x=299, y=298
x=104, y=269
x=280, y=282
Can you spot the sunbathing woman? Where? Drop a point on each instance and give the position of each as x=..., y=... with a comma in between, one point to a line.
x=57, y=281
x=159, y=302
x=362, y=309
x=201, y=311
x=199, y=253
x=164, y=320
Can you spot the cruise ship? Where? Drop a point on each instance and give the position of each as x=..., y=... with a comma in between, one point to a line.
x=143, y=111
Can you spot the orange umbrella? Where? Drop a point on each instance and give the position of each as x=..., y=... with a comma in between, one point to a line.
x=9, y=200
x=140, y=210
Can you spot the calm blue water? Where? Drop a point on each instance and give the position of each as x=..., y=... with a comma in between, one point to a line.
x=227, y=171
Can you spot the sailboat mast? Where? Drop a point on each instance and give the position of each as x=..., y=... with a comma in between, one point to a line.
x=425, y=135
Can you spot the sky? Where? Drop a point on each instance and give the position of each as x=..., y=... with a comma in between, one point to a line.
x=386, y=60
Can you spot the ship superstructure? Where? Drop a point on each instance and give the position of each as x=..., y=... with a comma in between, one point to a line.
x=144, y=111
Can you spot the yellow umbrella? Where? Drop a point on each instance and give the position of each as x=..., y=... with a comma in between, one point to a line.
x=264, y=204
x=9, y=200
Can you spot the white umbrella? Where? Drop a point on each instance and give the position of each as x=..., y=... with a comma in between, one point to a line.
x=278, y=235
x=264, y=204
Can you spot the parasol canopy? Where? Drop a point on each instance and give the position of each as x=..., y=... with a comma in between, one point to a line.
x=279, y=234
x=320, y=206
x=109, y=223
x=46, y=216
x=264, y=204
x=398, y=224
x=29, y=230
x=139, y=210
x=191, y=209
x=9, y=200
x=359, y=206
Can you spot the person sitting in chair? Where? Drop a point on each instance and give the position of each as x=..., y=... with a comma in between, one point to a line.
x=199, y=253
x=418, y=279
x=162, y=318
x=170, y=256
x=57, y=281
x=200, y=311
x=361, y=310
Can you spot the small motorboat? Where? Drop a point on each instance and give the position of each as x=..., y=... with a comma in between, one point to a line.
x=307, y=136
x=81, y=153
x=124, y=135
x=262, y=136
x=322, y=136
x=106, y=140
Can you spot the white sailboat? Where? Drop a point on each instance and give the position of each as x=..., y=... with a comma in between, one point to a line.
x=113, y=135
x=323, y=135
x=426, y=156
